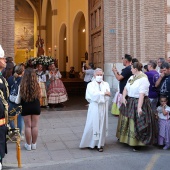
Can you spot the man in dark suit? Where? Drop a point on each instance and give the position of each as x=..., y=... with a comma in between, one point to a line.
x=3, y=107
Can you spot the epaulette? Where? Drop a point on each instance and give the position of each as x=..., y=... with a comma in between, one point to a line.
x=7, y=90
x=3, y=81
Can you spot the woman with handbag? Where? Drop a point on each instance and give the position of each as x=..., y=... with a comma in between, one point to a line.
x=14, y=108
x=30, y=101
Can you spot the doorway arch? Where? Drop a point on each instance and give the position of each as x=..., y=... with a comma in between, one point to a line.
x=62, y=49
x=79, y=40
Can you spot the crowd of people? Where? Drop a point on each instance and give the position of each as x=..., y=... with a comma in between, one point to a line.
x=25, y=90
x=144, y=102
x=144, y=110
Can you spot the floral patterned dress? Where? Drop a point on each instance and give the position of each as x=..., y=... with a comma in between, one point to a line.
x=56, y=91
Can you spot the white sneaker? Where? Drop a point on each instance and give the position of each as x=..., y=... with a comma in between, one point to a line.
x=0, y=166
x=27, y=147
x=33, y=146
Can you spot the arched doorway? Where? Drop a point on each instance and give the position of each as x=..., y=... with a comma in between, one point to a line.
x=49, y=29
x=26, y=21
x=62, y=50
x=79, y=41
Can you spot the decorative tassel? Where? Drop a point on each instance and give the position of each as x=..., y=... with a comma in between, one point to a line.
x=18, y=153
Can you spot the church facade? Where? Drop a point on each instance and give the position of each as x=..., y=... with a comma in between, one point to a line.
x=98, y=31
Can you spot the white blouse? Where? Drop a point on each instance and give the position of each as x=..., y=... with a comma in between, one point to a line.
x=57, y=75
x=41, y=77
x=160, y=113
x=139, y=86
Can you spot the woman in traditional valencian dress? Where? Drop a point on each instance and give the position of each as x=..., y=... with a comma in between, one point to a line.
x=136, y=125
x=56, y=90
x=41, y=76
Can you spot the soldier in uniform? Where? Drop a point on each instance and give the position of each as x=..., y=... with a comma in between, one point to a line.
x=3, y=107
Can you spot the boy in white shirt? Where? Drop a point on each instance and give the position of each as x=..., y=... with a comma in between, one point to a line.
x=164, y=123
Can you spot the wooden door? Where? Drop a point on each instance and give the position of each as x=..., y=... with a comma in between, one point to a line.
x=96, y=33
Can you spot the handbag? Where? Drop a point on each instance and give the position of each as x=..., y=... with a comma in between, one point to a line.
x=14, y=89
x=18, y=98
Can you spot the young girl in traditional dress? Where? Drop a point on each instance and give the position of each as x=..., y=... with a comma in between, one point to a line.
x=164, y=123
x=56, y=91
x=41, y=76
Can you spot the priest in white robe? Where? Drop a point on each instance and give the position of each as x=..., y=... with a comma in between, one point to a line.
x=96, y=128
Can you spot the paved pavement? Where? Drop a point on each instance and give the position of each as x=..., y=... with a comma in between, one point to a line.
x=58, y=148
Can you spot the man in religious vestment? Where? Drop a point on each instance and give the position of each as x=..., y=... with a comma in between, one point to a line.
x=3, y=107
x=39, y=44
x=96, y=127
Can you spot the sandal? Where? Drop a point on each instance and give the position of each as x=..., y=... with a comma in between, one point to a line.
x=100, y=149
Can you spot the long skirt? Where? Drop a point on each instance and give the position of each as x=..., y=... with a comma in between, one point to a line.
x=56, y=92
x=135, y=130
x=164, y=132
x=43, y=99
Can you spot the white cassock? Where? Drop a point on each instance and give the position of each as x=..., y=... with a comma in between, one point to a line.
x=96, y=128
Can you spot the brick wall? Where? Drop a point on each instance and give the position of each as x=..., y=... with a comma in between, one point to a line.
x=139, y=29
x=7, y=20
x=167, y=28
x=155, y=28
x=135, y=27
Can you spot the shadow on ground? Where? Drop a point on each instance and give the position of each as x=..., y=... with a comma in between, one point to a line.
x=75, y=102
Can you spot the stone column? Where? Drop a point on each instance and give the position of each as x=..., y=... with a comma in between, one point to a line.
x=7, y=27
x=54, y=33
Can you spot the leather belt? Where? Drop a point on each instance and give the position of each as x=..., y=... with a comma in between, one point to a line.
x=2, y=121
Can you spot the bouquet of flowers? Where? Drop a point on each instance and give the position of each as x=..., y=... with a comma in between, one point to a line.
x=44, y=60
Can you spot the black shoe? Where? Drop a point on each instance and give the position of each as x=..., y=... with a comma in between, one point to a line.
x=59, y=105
x=136, y=148
x=44, y=107
x=100, y=149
